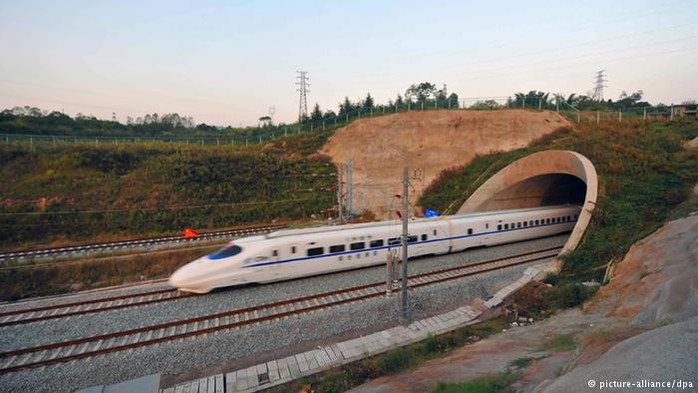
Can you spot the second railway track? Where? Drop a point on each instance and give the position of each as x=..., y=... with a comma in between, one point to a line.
x=61, y=352
x=97, y=247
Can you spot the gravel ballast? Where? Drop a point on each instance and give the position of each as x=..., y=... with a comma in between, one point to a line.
x=215, y=350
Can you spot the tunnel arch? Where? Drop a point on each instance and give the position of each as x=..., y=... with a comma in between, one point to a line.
x=543, y=178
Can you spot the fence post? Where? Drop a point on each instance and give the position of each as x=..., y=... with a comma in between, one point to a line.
x=579, y=120
x=384, y=110
x=408, y=106
x=422, y=106
x=371, y=112
x=436, y=103
x=218, y=142
x=672, y=111
x=347, y=116
x=285, y=131
x=54, y=141
x=335, y=121
x=620, y=115
x=323, y=124
x=449, y=104
x=598, y=117
x=523, y=103
x=311, y=127
x=644, y=113
x=540, y=104
x=260, y=139
x=245, y=141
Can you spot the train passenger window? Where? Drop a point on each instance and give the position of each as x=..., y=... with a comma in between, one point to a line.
x=337, y=248
x=506, y=226
x=569, y=218
x=499, y=227
x=518, y=225
x=424, y=237
x=395, y=241
x=575, y=217
x=357, y=246
x=530, y=223
x=434, y=232
x=525, y=224
x=411, y=239
x=316, y=251
x=537, y=222
x=547, y=221
x=293, y=249
x=470, y=231
x=376, y=243
x=487, y=225
x=275, y=253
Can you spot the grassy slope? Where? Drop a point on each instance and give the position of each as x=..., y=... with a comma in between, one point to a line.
x=643, y=173
x=139, y=190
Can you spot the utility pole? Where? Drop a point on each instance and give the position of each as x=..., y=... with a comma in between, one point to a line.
x=404, y=309
x=598, y=86
x=350, y=188
x=303, y=90
x=340, y=189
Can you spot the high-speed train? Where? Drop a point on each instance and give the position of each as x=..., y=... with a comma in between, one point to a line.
x=296, y=253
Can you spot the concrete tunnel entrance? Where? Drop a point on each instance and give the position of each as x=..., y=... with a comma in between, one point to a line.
x=544, y=178
x=542, y=190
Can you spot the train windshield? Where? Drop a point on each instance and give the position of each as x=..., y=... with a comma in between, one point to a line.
x=226, y=252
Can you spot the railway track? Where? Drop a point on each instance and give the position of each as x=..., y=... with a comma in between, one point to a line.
x=44, y=313
x=48, y=354
x=111, y=246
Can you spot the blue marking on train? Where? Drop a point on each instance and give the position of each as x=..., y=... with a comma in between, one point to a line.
x=399, y=245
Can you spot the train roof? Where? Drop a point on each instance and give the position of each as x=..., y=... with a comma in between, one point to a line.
x=304, y=231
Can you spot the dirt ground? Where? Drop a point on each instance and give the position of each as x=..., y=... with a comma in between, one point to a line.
x=443, y=139
x=642, y=326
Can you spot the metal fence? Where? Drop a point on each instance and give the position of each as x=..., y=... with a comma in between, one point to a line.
x=266, y=134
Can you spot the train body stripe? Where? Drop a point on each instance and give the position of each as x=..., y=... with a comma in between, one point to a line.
x=450, y=238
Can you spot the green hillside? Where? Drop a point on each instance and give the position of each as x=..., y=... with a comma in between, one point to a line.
x=84, y=193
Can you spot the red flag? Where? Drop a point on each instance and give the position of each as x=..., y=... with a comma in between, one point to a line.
x=190, y=233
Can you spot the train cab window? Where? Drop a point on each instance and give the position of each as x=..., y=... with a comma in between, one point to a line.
x=357, y=246
x=434, y=232
x=226, y=252
x=411, y=239
x=499, y=227
x=316, y=251
x=293, y=249
x=470, y=231
x=376, y=243
x=275, y=253
x=575, y=217
x=424, y=237
x=337, y=248
x=395, y=241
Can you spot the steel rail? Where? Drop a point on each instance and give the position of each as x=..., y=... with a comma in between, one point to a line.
x=36, y=356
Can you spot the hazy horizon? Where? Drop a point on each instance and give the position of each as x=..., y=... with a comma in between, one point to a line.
x=226, y=63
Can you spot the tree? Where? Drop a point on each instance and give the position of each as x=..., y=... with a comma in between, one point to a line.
x=399, y=102
x=421, y=92
x=368, y=103
x=316, y=114
x=346, y=107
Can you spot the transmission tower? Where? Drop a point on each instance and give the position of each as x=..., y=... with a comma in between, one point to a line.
x=598, y=86
x=303, y=90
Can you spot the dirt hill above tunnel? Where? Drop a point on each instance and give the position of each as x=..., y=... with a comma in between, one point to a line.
x=432, y=141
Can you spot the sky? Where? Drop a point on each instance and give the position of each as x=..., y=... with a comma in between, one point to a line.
x=228, y=62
